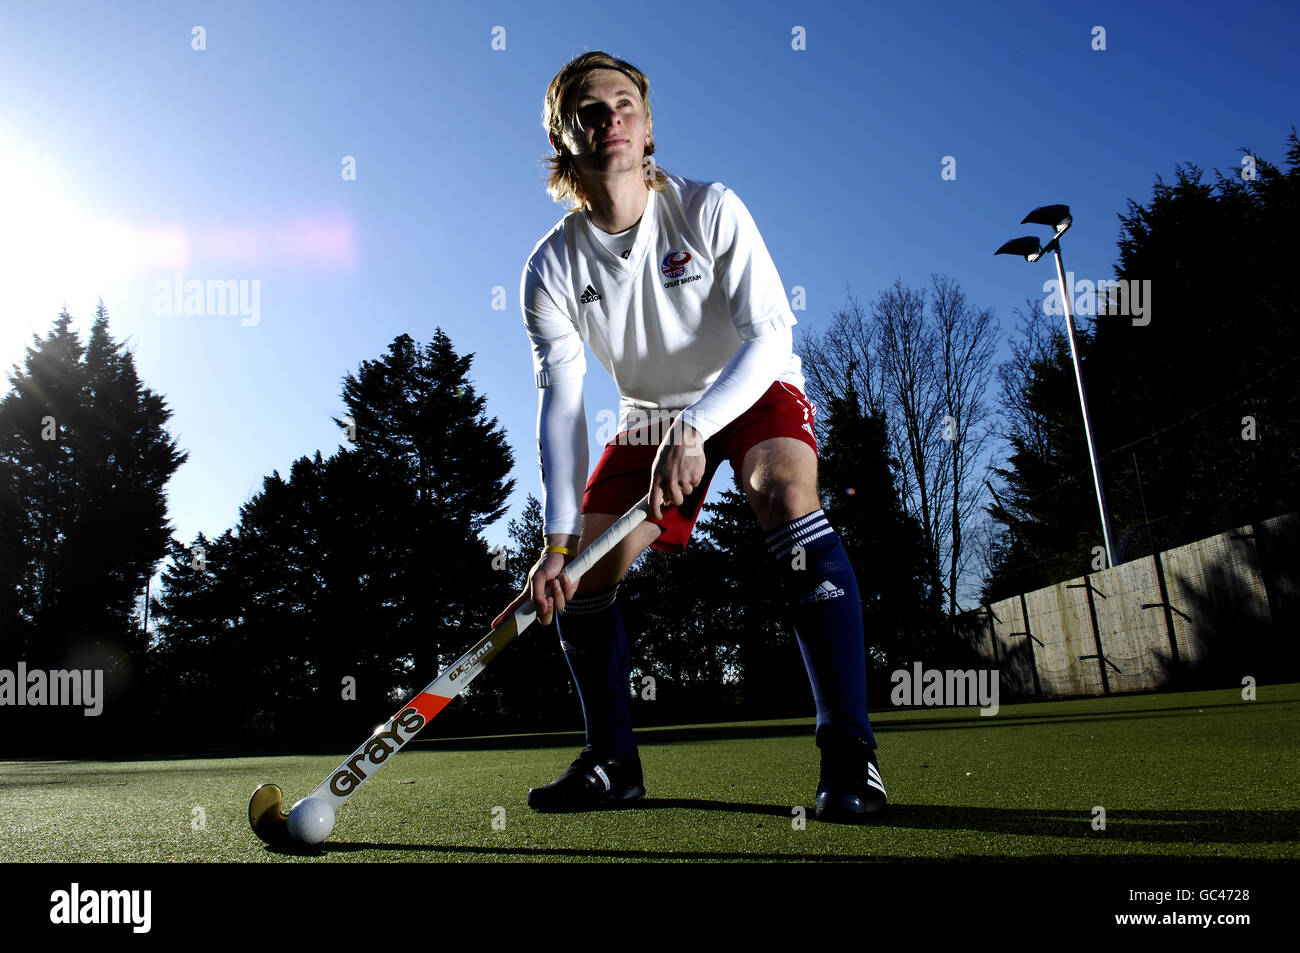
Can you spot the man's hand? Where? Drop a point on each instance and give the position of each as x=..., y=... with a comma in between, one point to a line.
x=678, y=467
x=547, y=586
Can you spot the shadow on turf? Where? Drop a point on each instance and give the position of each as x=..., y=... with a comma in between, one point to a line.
x=296, y=850
x=1188, y=827
x=597, y=854
x=1137, y=827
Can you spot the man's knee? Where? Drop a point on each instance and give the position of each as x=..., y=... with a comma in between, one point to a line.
x=780, y=502
x=780, y=479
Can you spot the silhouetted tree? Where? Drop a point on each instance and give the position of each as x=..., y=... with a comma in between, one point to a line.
x=1050, y=525
x=1200, y=388
x=361, y=575
x=528, y=687
x=437, y=469
x=901, y=608
x=921, y=361
x=747, y=610
x=84, y=459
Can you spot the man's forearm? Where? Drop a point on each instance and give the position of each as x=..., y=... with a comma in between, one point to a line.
x=562, y=445
x=748, y=374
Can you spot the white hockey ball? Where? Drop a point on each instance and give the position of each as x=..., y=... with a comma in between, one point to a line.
x=311, y=820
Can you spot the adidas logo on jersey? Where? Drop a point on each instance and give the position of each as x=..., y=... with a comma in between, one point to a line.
x=822, y=593
x=590, y=295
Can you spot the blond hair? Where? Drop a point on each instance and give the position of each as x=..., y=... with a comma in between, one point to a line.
x=563, y=183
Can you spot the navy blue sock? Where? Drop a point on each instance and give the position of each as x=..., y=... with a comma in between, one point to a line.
x=595, y=645
x=821, y=590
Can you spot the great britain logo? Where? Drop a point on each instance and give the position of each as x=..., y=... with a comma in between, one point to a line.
x=674, y=264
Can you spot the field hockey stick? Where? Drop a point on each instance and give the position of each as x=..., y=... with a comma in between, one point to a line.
x=265, y=813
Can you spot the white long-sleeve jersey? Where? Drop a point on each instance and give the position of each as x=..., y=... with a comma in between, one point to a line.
x=694, y=320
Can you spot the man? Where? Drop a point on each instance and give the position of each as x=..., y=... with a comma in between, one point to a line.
x=667, y=280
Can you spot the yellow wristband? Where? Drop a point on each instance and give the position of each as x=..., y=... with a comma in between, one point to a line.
x=562, y=550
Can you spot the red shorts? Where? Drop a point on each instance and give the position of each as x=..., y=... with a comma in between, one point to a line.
x=622, y=475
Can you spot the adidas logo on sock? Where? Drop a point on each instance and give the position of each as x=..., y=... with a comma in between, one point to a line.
x=590, y=295
x=822, y=593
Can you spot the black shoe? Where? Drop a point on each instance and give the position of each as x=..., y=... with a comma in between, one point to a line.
x=591, y=783
x=851, y=790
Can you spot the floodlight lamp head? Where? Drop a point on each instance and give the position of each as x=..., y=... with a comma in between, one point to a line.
x=1053, y=216
x=1026, y=246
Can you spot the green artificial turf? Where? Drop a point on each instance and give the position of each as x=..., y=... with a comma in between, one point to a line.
x=1201, y=775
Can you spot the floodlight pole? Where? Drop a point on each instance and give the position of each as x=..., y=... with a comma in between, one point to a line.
x=1058, y=218
x=1055, y=246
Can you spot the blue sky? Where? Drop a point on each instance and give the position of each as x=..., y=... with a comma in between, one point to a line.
x=127, y=156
